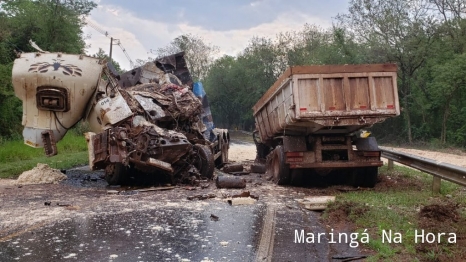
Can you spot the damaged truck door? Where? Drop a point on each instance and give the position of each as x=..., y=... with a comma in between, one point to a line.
x=146, y=121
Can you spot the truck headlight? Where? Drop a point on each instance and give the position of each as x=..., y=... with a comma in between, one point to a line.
x=52, y=98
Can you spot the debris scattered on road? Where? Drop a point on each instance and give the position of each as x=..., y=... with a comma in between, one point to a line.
x=241, y=201
x=246, y=194
x=72, y=208
x=41, y=174
x=316, y=203
x=241, y=173
x=230, y=168
x=348, y=189
x=230, y=182
x=201, y=197
x=128, y=193
x=258, y=168
x=213, y=217
x=155, y=189
x=348, y=258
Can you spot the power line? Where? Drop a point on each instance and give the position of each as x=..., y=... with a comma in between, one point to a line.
x=106, y=34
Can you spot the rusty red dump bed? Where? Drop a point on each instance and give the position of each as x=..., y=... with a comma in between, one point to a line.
x=327, y=99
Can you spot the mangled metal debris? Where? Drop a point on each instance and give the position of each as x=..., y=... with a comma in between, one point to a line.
x=315, y=203
x=214, y=217
x=201, y=197
x=151, y=120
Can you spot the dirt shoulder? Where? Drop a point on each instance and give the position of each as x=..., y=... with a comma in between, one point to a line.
x=454, y=159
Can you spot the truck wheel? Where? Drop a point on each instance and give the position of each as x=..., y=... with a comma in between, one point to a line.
x=363, y=177
x=204, y=160
x=297, y=177
x=278, y=168
x=369, y=178
x=116, y=174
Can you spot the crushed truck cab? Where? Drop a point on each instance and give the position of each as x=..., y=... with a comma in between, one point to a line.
x=156, y=125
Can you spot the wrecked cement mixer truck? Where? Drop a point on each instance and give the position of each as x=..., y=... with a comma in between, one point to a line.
x=146, y=122
x=307, y=123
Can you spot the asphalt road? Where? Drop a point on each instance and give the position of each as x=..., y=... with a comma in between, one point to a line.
x=85, y=223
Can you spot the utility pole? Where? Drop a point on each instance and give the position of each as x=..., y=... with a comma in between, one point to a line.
x=111, y=44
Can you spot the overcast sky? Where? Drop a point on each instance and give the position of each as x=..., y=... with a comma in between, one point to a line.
x=145, y=25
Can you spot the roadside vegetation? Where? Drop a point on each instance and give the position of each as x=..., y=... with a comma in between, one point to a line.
x=16, y=157
x=403, y=202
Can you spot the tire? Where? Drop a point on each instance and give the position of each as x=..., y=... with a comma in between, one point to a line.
x=354, y=177
x=278, y=168
x=370, y=176
x=204, y=160
x=116, y=174
x=297, y=177
x=363, y=177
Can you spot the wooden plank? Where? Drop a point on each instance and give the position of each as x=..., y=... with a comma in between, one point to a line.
x=155, y=189
x=321, y=69
x=359, y=93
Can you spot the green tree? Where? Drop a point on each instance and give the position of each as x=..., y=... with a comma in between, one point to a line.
x=400, y=31
x=102, y=55
x=449, y=82
x=56, y=26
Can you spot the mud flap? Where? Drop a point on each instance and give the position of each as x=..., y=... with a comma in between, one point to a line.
x=50, y=146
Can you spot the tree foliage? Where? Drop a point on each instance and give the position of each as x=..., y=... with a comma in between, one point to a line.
x=425, y=38
x=54, y=25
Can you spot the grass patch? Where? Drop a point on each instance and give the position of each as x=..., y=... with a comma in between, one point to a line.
x=16, y=157
x=397, y=203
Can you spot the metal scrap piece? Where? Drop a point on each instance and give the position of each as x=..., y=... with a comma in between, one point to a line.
x=153, y=110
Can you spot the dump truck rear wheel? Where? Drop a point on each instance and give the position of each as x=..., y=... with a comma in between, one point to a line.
x=363, y=177
x=297, y=177
x=116, y=174
x=279, y=169
x=370, y=176
x=204, y=160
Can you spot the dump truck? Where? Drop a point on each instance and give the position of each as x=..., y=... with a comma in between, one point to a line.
x=308, y=122
x=160, y=124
